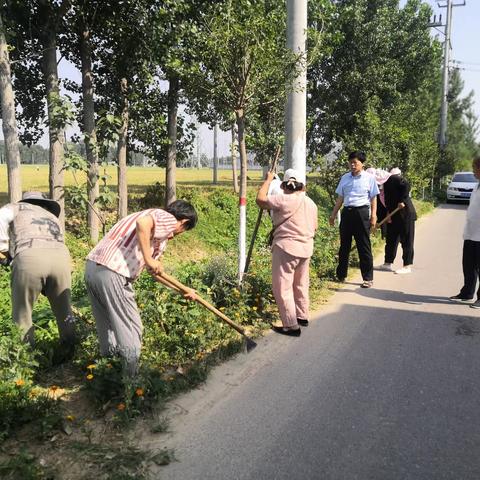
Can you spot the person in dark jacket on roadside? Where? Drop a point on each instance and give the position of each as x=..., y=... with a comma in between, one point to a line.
x=401, y=226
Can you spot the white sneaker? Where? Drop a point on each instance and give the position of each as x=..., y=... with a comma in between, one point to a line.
x=403, y=270
x=387, y=267
x=475, y=305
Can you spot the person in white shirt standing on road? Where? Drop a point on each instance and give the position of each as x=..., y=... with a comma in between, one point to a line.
x=357, y=191
x=471, y=246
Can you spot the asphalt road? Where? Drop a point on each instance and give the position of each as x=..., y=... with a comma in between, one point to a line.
x=384, y=384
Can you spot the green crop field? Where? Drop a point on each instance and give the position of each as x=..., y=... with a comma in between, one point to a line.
x=35, y=177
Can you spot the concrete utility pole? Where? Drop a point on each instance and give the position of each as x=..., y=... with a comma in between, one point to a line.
x=442, y=137
x=296, y=112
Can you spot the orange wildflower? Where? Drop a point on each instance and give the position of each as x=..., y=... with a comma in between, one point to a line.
x=19, y=382
x=121, y=407
x=139, y=392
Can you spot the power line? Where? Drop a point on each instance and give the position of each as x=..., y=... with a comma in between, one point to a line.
x=465, y=63
x=466, y=69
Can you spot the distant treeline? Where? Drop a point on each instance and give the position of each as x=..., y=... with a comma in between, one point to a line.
x=38, y=155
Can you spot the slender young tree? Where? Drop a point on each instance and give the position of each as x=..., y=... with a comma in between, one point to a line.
x=56, y=118
x=37, y=24
x=170, y=176
x=241, y=64
x=122, y=209
x=89, y=130
x=9, y=122
x=215, y=154
x=234, y=158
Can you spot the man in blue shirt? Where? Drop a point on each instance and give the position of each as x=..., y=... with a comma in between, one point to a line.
x=357, y=191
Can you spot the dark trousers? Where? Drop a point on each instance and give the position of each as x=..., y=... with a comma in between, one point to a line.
x=471, y=268
x=355, y=223
x=403, y=232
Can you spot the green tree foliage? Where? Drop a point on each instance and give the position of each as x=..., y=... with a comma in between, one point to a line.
x=241, y=63
x=462, y=128
x=240, y=66
x=377, y=88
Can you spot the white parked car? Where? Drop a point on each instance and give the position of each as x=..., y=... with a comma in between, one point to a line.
x=461, y=186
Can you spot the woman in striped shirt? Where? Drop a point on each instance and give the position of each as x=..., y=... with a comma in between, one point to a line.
x=135, y=243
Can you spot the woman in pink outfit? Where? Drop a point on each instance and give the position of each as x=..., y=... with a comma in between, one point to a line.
x=294, y=217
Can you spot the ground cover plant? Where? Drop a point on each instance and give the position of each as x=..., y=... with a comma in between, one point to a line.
x=182, y=341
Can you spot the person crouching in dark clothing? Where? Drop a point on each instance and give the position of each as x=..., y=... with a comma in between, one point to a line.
x=401, y=227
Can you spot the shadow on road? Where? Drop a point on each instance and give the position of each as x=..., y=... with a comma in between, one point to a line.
x=396, y=296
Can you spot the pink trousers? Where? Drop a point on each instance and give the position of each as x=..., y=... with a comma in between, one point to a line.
x=290, y=283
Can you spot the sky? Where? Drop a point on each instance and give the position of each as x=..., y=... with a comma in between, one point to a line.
x=464, y=43
x=465, y=49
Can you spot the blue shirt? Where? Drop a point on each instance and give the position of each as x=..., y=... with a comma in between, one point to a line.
x=358, y=190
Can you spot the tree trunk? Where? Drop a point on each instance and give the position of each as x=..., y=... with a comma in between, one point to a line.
x=9, y=122
x=122, y=208
x=90, y=134
x=234, y=159
x=242, y=232
x=215, y=154
x=170, y=180
x=55, y=132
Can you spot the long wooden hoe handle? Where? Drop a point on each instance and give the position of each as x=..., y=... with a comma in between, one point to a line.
x=173, y=282
x=390, y=215
x=273, y=168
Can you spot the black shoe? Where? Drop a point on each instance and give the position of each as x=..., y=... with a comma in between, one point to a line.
x=303, y=322
x=459, y=298
x=64, y=352
x=341, y=279
x=283, y=331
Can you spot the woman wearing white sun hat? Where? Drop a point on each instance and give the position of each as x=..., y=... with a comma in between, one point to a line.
x=294, y=216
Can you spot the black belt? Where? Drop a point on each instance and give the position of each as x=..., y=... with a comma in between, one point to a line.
x=356, y=208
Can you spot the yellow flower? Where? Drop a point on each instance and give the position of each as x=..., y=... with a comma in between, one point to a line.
x=139, y=392
x=254, y=308
x=70, y=418
x=92, y=366
x=53, y=388
x=34, y=392
x=20, y=382
x=89, y=376
x=121, y=407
